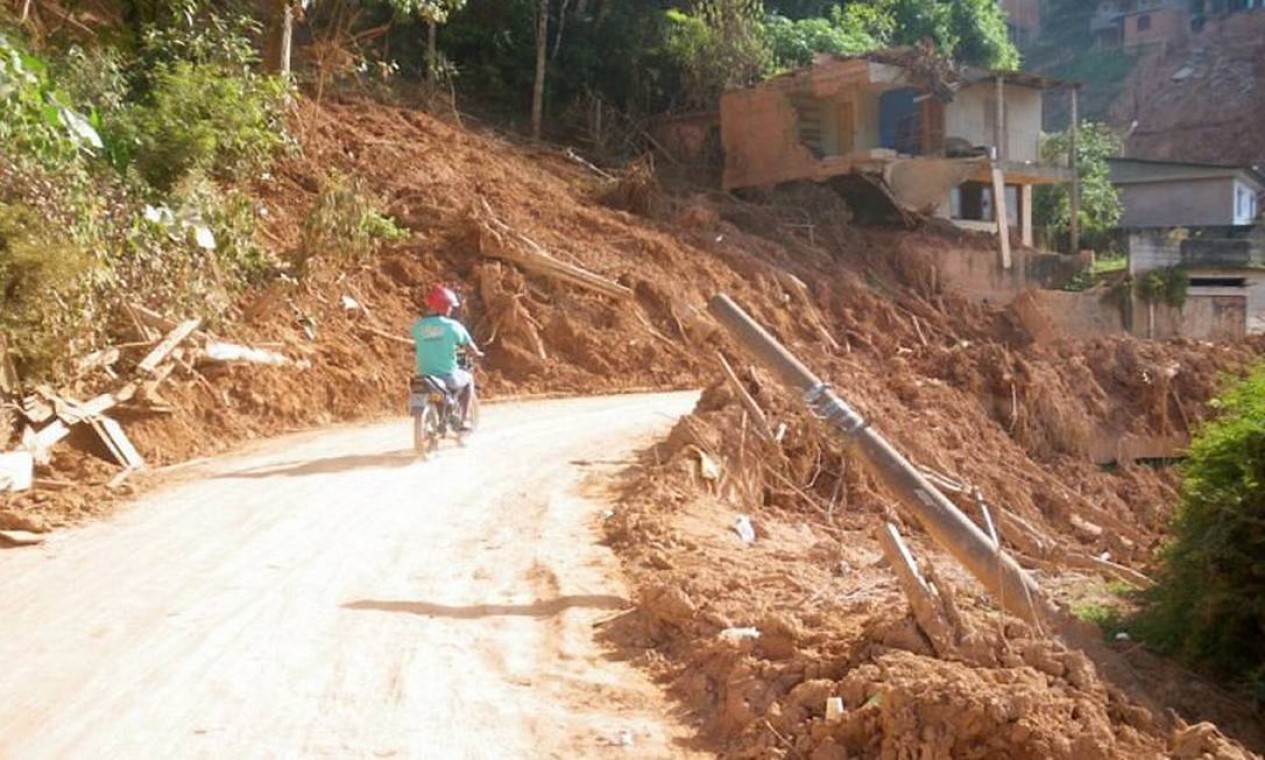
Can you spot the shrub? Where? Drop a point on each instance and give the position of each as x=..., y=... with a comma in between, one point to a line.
x=1168, y=285
x=201, y=118
x=39, y=270
x=1209, y=605
x=38, y=123
x=344, y=225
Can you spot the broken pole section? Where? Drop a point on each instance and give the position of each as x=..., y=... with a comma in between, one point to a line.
x=1009, y=585
x=924, y=599
x=757, y=414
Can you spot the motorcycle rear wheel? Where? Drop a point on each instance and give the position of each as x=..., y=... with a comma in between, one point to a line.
x=425, y=431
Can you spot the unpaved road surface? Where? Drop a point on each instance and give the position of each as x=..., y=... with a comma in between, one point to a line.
x=326, y=595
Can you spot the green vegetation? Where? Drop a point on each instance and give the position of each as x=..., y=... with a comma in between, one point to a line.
x=1166, y=285
x=1100, y=206
x=345, y=225
x=36, y=263
x=675, y=55
x=1209, y=605
x=1109, y=264
x=126, y=149
x=199, y=118
x=1067, y=49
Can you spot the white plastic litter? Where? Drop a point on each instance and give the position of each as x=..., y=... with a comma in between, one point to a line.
x=746, y=531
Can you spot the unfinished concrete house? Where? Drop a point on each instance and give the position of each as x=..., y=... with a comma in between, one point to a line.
x=921, y=131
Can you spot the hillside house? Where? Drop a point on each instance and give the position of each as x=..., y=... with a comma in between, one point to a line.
x=1174, y=194
x=1136, y=24
x=1023, y=20
x=925, y=135
x=1202, y=218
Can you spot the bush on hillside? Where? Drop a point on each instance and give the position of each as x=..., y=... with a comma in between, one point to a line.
x=201, y=118
x=39, y=270
x=1209, y=607
x=344, y=225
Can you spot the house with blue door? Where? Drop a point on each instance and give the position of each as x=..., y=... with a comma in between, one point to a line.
x=933, y=136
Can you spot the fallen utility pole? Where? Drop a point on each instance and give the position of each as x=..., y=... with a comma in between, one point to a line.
x=1013, y=589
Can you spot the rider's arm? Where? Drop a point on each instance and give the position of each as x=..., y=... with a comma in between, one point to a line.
x=467, y=342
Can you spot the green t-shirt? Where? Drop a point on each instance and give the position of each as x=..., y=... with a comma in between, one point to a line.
x=437, y=339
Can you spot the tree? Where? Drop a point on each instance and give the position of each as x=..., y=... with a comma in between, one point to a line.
x=538, y=87
x=280, y=15
x=719, y=44
x=793, y=43
x=1100, y=205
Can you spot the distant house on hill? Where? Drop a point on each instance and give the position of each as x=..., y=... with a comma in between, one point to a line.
x=922, y=132
x=1136, y=24
x=1023, y=20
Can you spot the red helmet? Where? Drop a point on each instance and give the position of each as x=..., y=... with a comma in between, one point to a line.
x=441, y=300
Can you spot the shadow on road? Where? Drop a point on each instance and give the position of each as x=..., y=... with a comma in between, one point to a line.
x=327, y=466
x=543, y=608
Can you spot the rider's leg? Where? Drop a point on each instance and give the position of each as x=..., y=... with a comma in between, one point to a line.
x=464, y=382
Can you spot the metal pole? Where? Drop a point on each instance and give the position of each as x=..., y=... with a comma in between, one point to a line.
x=1014, y=591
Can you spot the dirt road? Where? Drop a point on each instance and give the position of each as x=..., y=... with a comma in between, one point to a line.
x=325, y=595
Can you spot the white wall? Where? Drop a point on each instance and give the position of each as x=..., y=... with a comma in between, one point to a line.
x=966, y=117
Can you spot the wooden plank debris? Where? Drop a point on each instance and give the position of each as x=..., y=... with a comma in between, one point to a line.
x=753, y=408
x=17, y=470
x=118, y=480
x=219, y=351
x=164, y=349
x=923, y=598
x=36, y=409
x=386, y=335
x=119, y=445
x=21, y=538
x=102, y=359
x=41, y=442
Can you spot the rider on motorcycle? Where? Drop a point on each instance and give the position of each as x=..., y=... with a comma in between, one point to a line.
x=437, y=336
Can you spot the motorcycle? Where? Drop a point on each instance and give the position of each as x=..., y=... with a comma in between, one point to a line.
x=436, y=412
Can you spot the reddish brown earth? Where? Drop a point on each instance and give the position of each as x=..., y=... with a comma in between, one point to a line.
x=1213, y=110
x=957, y=386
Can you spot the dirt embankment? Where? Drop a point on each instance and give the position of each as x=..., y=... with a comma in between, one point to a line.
x=756, y=638
x=1201, y=100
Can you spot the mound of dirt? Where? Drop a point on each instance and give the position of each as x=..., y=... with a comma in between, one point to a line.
x=755, y=638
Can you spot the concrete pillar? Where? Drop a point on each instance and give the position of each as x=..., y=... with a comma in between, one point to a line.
x=1025, y=214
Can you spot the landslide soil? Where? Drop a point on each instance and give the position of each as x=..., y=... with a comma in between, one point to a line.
x=958, y=385
x=1200, y=99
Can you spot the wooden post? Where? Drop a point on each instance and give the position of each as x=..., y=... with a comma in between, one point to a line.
x=753, y=409
x=999, y=118
x=1074, y=228
x=999, y=211
x=1025, y=214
